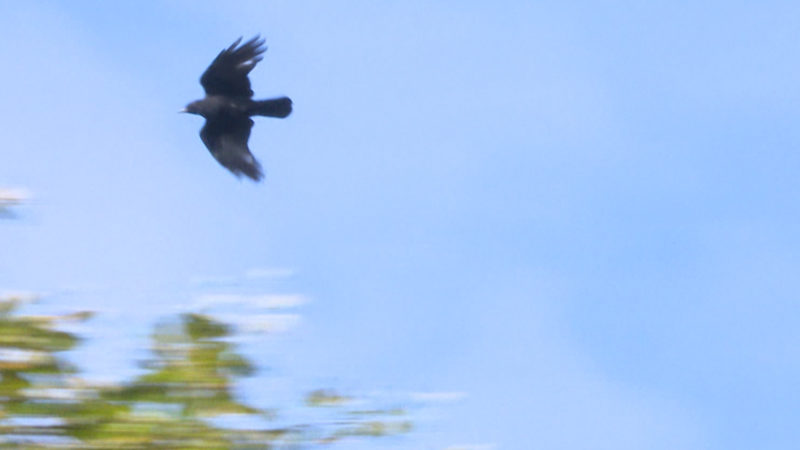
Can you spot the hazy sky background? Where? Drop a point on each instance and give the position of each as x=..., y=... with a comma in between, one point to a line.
x=581, y=215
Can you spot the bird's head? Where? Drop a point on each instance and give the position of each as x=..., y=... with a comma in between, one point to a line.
x=193, y=108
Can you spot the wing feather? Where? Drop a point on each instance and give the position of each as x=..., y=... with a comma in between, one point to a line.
x=227, y=74
x=227, y=142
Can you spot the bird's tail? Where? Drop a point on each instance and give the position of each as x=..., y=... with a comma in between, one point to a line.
x=276, y=107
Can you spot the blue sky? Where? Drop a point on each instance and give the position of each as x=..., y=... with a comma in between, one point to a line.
x=582, y=216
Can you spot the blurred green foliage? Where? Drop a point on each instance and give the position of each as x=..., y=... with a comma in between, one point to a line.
x=188, y=382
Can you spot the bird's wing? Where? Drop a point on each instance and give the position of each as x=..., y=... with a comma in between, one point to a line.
x=227, y=74
x=227, y=142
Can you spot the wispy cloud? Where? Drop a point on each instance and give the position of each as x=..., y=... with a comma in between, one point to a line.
x=263, y=323
x=13, y=196
x=269, y=272
x=254, y=273
x=438, y=396
x=266, y=301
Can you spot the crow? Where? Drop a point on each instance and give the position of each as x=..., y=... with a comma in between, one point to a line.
x=228, y=106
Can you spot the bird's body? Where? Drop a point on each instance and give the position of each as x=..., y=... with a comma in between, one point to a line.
x=228, y=106
x=220, y=106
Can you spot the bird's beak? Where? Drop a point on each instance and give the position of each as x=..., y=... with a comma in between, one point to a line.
x=183, y=110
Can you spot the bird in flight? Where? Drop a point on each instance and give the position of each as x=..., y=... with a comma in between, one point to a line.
x=228, y=106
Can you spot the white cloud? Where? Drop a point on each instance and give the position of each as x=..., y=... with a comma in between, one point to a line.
x=263, y=323
x=269, y=272
x=266, y=301
x=9, y=196
x=438, y=396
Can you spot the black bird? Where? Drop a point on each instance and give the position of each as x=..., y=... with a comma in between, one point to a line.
x=229, y=104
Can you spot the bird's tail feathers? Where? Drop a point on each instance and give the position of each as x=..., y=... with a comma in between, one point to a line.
x=276, y=107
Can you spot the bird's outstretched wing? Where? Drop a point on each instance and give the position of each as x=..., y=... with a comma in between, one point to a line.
x=227, y=142
x=227, y=74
